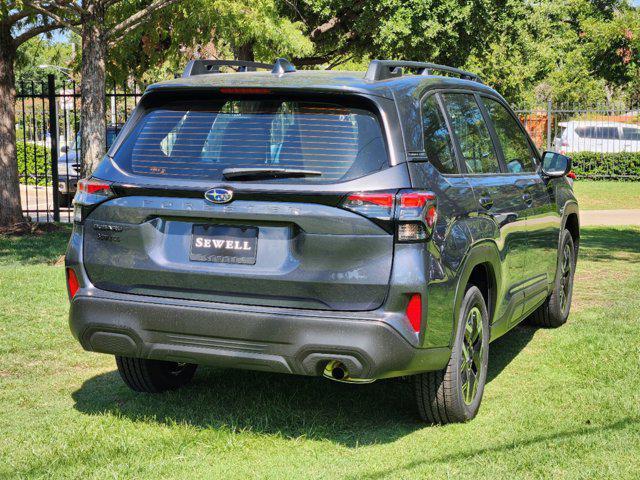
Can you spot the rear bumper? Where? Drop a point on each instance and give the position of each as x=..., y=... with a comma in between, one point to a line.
x=249, y=337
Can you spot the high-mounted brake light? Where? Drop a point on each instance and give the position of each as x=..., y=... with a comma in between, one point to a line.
x=246, y=91
x=72, y=283
x=414, y=312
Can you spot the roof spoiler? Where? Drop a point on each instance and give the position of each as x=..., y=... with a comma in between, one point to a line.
x=202, y=67
x=384, y=69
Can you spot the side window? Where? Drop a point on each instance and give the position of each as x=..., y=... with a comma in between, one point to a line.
x=607, y=133
x=472, y=133
x=518, y=154
x=631, y=134
x=437, y=142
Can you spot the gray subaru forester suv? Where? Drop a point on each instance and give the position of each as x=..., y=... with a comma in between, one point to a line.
x=357, y=226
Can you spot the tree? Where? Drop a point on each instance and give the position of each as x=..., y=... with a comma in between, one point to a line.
x=242, y=29
x=100, y=24
x=18, y=24
x=39, y=51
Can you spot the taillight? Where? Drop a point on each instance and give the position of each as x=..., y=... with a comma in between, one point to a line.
x=414, y=312
x=414, y=211
x=91, y=191
x=416, y=215
x=372, y=205
x=572, y=175
x=72, y=283
x=93, y=186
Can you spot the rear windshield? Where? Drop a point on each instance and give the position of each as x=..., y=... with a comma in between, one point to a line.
x=195, y=141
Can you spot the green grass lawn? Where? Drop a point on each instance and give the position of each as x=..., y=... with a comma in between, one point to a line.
x=607, y=195
x=561, y=403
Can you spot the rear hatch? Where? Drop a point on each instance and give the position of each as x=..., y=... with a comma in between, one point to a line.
x=239, y=199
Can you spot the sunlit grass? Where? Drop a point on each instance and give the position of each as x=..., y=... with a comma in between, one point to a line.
x=561, y=403
x=607, y=195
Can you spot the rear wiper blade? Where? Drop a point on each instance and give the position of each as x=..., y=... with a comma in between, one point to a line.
x=267, y=172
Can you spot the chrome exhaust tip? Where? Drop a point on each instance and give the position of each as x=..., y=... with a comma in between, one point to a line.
x=339, y=372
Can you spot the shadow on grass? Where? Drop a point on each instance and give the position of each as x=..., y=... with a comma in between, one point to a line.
x=603, y=244
x=285, y=405
x=503, y=350
x=264, y=403
x=477, y=453
x=35, y=248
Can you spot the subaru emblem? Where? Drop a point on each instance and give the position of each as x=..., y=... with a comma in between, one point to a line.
x=219, y=195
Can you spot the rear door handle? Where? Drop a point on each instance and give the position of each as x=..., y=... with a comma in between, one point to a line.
x=486, y=202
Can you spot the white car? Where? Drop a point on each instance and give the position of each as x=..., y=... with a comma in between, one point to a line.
x=597, y=136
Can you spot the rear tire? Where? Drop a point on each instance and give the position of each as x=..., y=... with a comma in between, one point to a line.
x=154, y=376
x=555, y=310
x=454, y=394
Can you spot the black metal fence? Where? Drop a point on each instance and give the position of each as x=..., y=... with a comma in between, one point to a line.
x=604, y=141
x=48, y=142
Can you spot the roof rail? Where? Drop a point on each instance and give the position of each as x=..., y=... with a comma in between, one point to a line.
x=384, y=69
x=201, y=67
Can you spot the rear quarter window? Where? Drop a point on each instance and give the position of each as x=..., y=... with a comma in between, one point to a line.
x=196, y=141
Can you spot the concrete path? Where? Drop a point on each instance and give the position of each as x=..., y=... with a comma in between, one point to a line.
x=609, y=217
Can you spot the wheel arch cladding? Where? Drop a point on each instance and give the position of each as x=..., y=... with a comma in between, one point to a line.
x=481, y=266
x=572, y=224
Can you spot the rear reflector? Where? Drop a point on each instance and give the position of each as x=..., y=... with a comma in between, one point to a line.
x=414, y=312
x=72, y=283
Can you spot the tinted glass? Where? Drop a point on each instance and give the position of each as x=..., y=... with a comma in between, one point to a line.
x=599, y=133
x=585, y=132
x=607, y=133
x=472, y=133
x=518, y=154
x=631, y=134
x=196, y=141
x=437, y=142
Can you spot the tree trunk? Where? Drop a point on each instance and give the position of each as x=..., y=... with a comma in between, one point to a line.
x=93, y=90
x=10, y=205
x=245, y=52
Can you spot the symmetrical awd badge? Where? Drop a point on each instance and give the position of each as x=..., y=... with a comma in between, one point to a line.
x=219, y=195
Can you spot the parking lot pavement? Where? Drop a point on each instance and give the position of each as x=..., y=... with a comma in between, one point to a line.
x=37, y=203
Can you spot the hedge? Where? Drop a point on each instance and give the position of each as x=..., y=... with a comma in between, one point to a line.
x=35, y=160
x=603, y=165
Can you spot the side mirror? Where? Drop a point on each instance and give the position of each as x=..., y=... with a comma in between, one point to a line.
x=555, y=165
x=64, y=149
